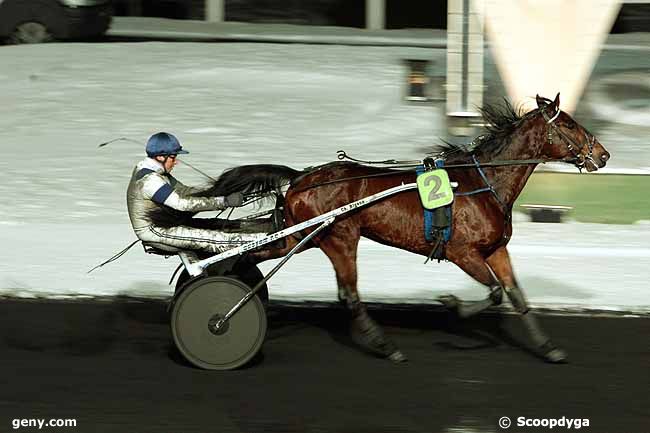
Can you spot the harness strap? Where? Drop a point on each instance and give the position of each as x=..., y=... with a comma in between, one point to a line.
x=330, y=182
x=476, y=191
x=489, y=186
x=433, y=250
x=575, y=148
x=555, y=116
x=507, y=216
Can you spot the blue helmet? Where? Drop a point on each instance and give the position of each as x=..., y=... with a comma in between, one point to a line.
x=162, y=144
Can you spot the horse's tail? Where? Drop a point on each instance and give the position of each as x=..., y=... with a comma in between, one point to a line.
x=249, y=179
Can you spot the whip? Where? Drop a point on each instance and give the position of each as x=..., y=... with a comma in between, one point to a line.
x=178, y=159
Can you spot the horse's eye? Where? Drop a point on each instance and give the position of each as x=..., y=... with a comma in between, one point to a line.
x=571, y=125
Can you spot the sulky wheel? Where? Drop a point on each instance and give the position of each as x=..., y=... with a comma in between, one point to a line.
x=202, y=303
x=248, y=273
x=251, y=275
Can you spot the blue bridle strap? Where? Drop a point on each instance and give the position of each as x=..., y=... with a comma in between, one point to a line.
x=487, y=188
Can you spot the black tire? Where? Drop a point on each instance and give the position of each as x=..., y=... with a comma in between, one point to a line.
x=247, y=273
x=251, y=275
x=42, y=21
x=204, y=301
x=183, y=279
x=30, y=32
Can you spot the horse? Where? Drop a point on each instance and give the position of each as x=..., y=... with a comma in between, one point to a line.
x=490, y=177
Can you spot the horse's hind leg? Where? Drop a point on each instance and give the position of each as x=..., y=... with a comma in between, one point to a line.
x=500, y=263
x=475, y=266
x=340, y=246
x=269, y=253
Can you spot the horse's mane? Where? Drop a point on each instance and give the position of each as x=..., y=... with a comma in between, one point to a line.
x=500, y=120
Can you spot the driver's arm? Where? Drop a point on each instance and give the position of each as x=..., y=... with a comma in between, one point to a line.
x=158, y=190
x=181, y=188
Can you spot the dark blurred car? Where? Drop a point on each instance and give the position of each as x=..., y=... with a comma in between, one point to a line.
x=35, y=21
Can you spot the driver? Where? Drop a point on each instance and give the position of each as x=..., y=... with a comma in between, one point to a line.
x=152, y=186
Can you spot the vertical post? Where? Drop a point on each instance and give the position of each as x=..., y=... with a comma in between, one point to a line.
x=464, y=63
x=375, y=14
x=523, y=39
x=214, y=10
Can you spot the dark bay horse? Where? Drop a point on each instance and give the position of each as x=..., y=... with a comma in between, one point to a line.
x=481, y=222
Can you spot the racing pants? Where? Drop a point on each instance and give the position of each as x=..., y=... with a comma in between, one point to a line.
x=183, y=238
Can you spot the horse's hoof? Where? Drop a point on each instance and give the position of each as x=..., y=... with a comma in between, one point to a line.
x=450, y=302
x=368, y=335
x=554, y=355
x=397, y=357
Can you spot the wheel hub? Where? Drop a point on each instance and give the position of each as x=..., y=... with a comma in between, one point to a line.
x=218, y=330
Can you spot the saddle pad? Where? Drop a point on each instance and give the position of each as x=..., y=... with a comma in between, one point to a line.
x=428, y=217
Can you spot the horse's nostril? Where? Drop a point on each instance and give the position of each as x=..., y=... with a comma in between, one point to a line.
x=604, y=157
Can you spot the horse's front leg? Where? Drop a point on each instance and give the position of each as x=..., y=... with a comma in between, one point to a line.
x=500, y=262
x=475, y=266
x=340, y=246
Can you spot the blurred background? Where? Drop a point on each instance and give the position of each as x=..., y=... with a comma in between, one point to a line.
x=292, y=82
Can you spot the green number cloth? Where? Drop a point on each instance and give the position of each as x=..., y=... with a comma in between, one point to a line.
x=435, y=189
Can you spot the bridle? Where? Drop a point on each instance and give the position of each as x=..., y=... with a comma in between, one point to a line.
x=579, y=158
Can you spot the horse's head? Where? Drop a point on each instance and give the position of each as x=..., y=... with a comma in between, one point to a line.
x=568, y=140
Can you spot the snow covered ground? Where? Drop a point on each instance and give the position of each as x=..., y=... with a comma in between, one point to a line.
x=64, y=199
x=576, y=266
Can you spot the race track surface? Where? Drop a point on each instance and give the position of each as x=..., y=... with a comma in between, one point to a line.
x=112, y=367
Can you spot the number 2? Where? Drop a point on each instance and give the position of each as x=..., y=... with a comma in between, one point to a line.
x=433, y=194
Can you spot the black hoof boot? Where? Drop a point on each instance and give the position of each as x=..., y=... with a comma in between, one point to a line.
x=367, y=334
x=496, y=295
x=553, y=354
x=397, y=357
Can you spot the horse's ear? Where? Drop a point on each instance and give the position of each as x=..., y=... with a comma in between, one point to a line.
x=556, y=102
x=540, y=101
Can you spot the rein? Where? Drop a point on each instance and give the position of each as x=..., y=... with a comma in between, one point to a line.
x=497, y=163
x=413, y=163
x=330, y=182
x=341, y=155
